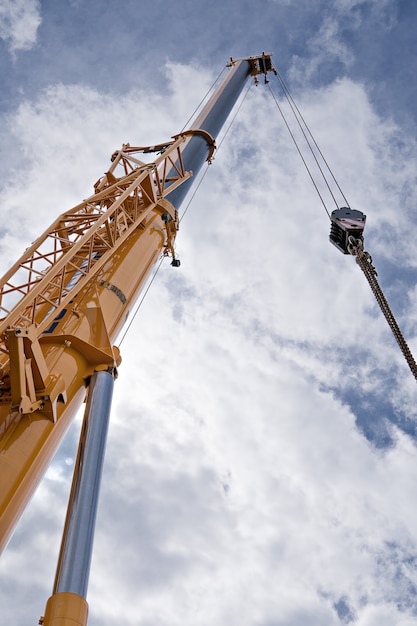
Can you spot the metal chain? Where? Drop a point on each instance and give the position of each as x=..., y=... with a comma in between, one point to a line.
x=364, y=260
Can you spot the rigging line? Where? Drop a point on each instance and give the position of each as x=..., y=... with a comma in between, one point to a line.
x=217, y=150
x=290, y=102
x=182, y=217
x=202, y=100
x=141, y=302
x=163, y=258
x=289, y=97
x=235, y=115
x=364, y=260
x=299, y=152
x=194, y=192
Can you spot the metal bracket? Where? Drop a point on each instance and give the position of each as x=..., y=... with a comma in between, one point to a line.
x=32, y=386
x=171, y=221
x=211, y=142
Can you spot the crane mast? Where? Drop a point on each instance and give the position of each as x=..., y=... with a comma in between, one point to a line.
x=63, y=303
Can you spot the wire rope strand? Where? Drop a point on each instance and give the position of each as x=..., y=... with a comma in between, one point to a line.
x=314, y=154
x=299, y=151
x=289, y=97
x=370, y=275
x=217, y=150
x=198, y=107
x=364, y=260
x=145, y=293
x=238, y=108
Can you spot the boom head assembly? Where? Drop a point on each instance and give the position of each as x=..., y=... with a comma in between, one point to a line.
x=261, y=64
x=346, y=222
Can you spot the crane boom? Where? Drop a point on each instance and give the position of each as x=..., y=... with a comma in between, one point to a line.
x=64, y=301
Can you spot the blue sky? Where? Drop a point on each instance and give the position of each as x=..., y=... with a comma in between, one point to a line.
x=90, y=43
x=261, y=464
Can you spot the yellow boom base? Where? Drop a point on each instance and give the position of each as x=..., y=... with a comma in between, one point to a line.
x=65, y=609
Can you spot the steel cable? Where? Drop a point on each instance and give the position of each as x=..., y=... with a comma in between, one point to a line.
x=299, y=151
x=364, y=260
x=298, y=115
x=158, y=267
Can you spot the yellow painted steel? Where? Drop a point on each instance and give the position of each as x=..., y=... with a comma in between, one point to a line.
x=65, y=609
x=81, y=341
x=63, y=303
x=48, y=362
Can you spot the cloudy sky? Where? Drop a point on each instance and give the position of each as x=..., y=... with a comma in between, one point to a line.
x=261, y=466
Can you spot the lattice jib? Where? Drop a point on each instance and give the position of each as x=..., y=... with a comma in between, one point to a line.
x=81, y=240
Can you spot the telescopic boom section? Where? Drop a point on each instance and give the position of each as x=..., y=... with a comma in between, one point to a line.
x=64, y=301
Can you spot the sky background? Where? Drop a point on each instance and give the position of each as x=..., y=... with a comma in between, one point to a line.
x=261, y=462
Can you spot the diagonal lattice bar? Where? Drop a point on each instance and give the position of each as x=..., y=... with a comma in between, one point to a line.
x=80, y=241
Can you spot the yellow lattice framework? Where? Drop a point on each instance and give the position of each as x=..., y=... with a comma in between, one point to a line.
x=77, y=245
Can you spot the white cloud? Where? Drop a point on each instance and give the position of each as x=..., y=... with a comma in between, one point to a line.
x=346, y=6
x=19, y=23
x=61, y=144
x=237, y=487
x=331, y=50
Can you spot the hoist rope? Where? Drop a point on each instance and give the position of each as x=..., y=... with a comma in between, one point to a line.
x=355, y=246
x=198, y=107
x=217, y=151
x=145, y=293
x=364, y=260
x=299, y=116
x=299, y=151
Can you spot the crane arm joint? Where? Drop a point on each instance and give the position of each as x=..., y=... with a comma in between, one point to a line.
x=211, y=142
x=32, y=386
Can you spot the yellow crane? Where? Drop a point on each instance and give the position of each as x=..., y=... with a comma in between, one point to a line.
x=62, y=305
x=64, y=302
